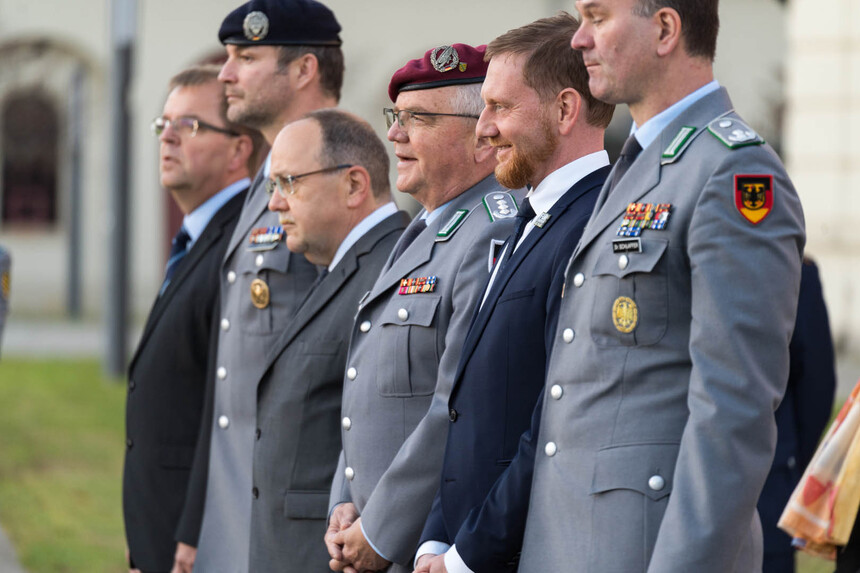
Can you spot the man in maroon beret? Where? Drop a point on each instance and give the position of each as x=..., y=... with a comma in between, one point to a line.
x=411, y=326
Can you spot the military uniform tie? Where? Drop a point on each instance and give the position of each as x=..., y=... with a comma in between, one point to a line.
x=412, y=231
x=178, y=250
x=629, y=153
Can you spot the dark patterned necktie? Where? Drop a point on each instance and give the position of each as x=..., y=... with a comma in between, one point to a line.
x=178, y=250
x=412, y=231
x=525, y=214
x=629, y=153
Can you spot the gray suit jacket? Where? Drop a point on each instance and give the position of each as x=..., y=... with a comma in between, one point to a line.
x=298, y=411
x=669, y=364
x=405, y=346
x=246, y=335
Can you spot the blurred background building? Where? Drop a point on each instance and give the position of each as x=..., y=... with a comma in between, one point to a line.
x=792, y=68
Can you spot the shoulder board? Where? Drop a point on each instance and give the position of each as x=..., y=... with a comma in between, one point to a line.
x=500, y=205
x=454, y=223
x=733, y=133
x=679, y=144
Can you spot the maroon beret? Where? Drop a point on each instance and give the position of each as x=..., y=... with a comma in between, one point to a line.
x=442, y=66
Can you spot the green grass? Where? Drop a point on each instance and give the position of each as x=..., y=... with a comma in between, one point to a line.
x=61, y=450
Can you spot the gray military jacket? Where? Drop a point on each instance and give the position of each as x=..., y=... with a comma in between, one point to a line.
x=405, y=345
x=657, y=429
x=260, y=292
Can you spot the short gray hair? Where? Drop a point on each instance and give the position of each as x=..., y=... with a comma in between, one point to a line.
x=467, y=99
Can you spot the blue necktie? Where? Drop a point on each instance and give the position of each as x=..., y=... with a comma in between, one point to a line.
x=525, y=214
x=178, y=250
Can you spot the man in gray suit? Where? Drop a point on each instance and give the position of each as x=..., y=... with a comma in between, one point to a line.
x=330, y=175
x=409, y=330
x=283, y=60
x=671, y=351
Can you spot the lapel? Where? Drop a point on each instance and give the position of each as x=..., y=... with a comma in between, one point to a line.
x=256, y=202
x=644, y=174
x=421, y=249
x=213, y=231
x=534, y=237
x=333, y=282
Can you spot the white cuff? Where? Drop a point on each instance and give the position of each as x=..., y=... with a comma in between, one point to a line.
x=369, y=542
x=431, y=547
x=454, y=563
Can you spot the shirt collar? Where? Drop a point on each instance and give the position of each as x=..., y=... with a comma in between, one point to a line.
x=556, y=184
x=648, y=132
x=361, y=229
x=195, y=222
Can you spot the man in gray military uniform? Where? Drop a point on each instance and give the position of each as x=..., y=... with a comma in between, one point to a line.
x=410, y=328
x=330, y=175
x=671, y=352
x=283, y=61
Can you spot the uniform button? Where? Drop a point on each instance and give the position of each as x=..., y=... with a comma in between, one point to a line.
x=349, y=473
x=402, y=314
x=221, y=373
x=578, y=279
x=556, y=392
x=131, y=385
x=791, y=462
x=346, y=423
x=223, y=422
x=656, y=483
x=623, y=261
x=567, y=335
x=259, y=261
x=550, y=449
x=351, y=373
x=365, y=326
x=129, y=443
x=231, y=277
x=255, y=492
x=225, y=324
x=258, y=433
x=452, y=415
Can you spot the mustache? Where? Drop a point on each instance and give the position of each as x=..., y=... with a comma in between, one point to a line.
x=497, y=141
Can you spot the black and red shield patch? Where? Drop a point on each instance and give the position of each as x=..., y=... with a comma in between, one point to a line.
x=754, y=196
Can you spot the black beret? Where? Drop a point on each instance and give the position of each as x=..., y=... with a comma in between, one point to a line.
x=280, y=23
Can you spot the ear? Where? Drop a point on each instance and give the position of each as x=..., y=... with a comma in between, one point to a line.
x=569, y=106
x=358, y=187
x=483, y=150
x=242, y=149
x=306, y=69
x=669, y=26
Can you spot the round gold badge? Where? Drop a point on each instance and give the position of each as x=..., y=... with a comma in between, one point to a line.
x=259, y=293
x=625, y=314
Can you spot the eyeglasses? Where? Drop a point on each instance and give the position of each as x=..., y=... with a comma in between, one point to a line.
x=186, y=126
x=404, y=116
x=284, y=184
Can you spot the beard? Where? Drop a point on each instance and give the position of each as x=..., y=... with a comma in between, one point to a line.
x=519, y=170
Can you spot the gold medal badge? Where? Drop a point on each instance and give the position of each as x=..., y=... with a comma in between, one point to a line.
x=259, y=294
x=625, y=314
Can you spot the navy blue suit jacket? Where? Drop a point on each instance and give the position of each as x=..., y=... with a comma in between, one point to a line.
x=501, y=374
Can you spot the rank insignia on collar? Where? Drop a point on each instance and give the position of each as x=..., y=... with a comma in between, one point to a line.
x=754, y=196
x=448, y=230
x=733, y=133
x=500, y=205
x=265, y=238
x=417, y=285
x=640, y=216
x=678, y=145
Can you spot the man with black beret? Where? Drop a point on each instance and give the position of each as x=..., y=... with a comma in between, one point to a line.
x=410, y=328
x=283, y=61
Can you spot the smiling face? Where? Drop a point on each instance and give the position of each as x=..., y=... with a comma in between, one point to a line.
x=618, y=48
x=436, y=154
x=257, y=91
x=516, y=123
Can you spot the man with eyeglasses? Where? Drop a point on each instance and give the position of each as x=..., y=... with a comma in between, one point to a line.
x=329, y=186
x=283, y=61
x=410, y=328
x=204, y=163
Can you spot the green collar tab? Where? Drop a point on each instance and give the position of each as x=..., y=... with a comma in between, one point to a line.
x=452, y=225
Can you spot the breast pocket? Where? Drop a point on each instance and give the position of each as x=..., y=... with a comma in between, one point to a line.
x=408, y=357
x=631, y=300
x=263, y=290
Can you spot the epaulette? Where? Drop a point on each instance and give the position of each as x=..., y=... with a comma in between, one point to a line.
x=500, y=205
x=455, y=222
x=734, y=133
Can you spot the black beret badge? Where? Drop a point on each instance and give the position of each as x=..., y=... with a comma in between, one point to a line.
x=256, y=26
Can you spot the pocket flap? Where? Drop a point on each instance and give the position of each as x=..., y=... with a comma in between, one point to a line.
x=412, y=310
x=638, y=467
x=306, y=504
x=644, y=262
x=276, y=259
